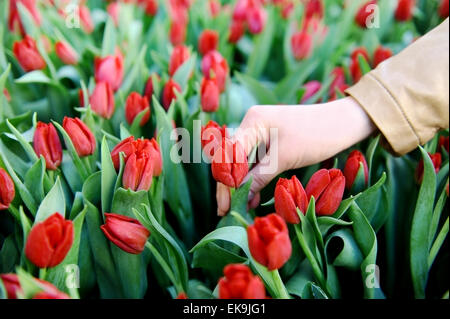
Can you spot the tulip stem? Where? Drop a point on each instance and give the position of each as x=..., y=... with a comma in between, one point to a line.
x=239, y=218
x=14, y=212
x=314, y=264
x=42, y=273
x=164, y=266
x=87, y=165
x=281, y=291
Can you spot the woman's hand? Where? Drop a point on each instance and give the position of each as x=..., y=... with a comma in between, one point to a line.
x=305, y=135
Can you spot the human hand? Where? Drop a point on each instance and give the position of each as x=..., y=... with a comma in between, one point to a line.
x=306, y=134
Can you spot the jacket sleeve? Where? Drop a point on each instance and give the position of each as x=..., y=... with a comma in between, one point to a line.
x=407, y=96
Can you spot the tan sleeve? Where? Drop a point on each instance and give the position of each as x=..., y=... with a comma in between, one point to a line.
x=407, y=96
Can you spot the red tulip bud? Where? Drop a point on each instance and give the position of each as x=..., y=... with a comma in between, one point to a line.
x=327, y=187
x=135, y=104
x=210, y=95
x=169, y=94
x=338, y=83
x=150, y=6
x=149, y=89
x=7, y=190
x=82, y=138
x=240, y=283
x=237, y=30
x=126, y=233
x=177, y=33
x=138, y=172
x=102, y=100
x=380, y=55
x=290, y=194
x=314, y=8
x=182, y=295
x=352, y=167
x=11, y=284
x=268, y=241
x=180, y=54
x=86, y=19
x=49, y=291
x=14, y=19
x=208, y=41
x=155, y=154
x=443, y=143
x=404, y=10
x=229, y=164
x=364, y=13
x=110, y=69
x=212, y=135
x=311, y=88
x=28, y=55
x=49, y=241
x=214, y=7
x=355, y=68
x=256, y=17
x=443, y=11
x=46, y=143
x=301, y=44
x=66, y=53
x=113, y=11
x=127, y=146
x=437, y=161
x=214, y=65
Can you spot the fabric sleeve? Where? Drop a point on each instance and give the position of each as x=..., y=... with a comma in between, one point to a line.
x=407, y=96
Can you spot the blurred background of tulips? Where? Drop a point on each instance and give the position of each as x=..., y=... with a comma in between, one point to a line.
x=89, y=94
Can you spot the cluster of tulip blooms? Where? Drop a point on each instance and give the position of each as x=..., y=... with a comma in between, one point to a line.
x=124, y=193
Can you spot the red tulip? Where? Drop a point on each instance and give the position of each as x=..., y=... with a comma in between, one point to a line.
x=311, y=88
x=134, y=105
x=150, y=6
x=286, y=8
x=49, y=291
x=437, y=161
x=268, y=241
x=11, y=284
x=14, y=20
x=380, y=55
x=229, y=164
x=49, y=241
x=443, y=143
x=169, y=94
x=7, y=190
x=256, y=18
x=314, y=8
x=301, y=44
x=126, y=233
x=208, y=41
x=113, y=11
x=28, y=55
x=177, y=33
x=352, y=167
x=240, y=10
x=364, y=13
x=102, y=100
x=66, y=53
x=46, y=143
x=404, y=10
x=215, y=65
x=355, y=68
x=130, y=146
x=237, y=30
x=240, y=283
x=86, y=19
x=182, y=295
x=149, y=89
x=210, y=95
x=338, y=83
x=289, y=194
x=110, y=69
x=212, y=135
x=180, y=54
x=138, y=172
x=214, y=7
x=82, y=138
x=443, y=11
x=327, y=187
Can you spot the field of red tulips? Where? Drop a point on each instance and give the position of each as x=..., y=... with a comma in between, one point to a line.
x=116, y=123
